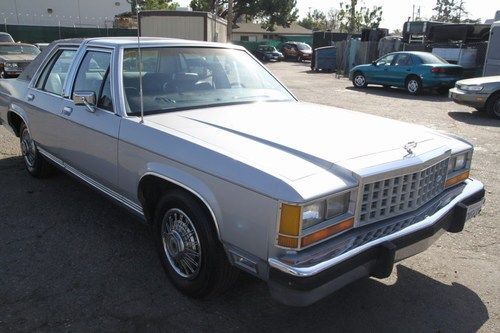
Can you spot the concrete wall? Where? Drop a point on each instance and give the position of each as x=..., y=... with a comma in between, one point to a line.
x=69, y=13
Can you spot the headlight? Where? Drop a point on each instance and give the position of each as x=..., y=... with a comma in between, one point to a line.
x=302, y=226
x=458, y=168
x=313, y=214
x=11, y=64
x=471, y=88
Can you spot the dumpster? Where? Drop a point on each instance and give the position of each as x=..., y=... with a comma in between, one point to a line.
x=325, y=58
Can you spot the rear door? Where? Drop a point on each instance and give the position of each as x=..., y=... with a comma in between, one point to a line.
x=402, y=65
x=44, y=101
x=91, y=133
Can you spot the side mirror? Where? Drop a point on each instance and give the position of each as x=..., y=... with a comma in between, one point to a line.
x=86, y=98
x=374, y=63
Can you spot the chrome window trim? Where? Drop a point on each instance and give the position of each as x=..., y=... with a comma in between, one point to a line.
x=74, y=72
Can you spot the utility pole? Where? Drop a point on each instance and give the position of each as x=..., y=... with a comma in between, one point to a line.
x=230, y=21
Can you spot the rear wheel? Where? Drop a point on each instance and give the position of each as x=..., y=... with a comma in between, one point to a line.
x=359, y=80
x=190, y=252
x=493, y=105
x=36, y=165
x=413, y=85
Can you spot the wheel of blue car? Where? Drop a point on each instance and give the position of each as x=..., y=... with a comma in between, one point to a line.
x=36, y=165
x=359, y=80
x=493, y=105
x=413, y=85
x=190, y=251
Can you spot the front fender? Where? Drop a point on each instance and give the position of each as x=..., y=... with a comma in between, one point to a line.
x=188, y=182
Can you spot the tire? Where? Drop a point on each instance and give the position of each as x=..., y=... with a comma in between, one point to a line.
x=413, y=85
x=34, y=162
x=196, y=265
x=493, y=105
x=359, y=80
x=299, y=59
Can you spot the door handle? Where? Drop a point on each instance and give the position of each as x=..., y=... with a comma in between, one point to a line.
x=66, y=111
x=30, y=97
x=408, y=70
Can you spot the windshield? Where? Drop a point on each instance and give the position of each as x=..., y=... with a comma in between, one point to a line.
x=19, y=49
x=429, y=58
x=183, y=78
x=303, y=47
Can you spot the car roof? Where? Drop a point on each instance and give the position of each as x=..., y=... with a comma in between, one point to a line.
x=145, y=42
x=11, y=43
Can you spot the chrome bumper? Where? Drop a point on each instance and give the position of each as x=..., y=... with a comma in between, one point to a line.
x=305, y=278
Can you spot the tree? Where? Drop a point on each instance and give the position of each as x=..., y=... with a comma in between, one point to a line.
x=353, y=20
x=158, y=5
x=269, y=12
x=452, y=11
x=315, y=20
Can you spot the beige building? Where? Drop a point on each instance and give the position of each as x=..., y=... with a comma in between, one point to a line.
x=252, y=32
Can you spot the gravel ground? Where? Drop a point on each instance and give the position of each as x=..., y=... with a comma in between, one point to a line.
x=70, y=260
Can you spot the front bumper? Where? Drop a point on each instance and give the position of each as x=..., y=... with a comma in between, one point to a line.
x=476, y=100
x=302, y=285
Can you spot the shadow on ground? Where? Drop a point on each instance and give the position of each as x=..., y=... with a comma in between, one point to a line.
x=400, y=93
x=72, y=260
x=478, y=118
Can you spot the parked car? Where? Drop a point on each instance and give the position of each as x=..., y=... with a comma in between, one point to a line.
x=14, y=57
x=231, y=171
x=411, y=70
x=6, y=38
x=482, y=93
x=267, y=53
x=297, y=51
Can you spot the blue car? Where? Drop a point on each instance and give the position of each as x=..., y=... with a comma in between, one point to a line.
x=413, y=71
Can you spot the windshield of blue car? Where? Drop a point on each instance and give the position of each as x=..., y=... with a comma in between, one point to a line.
x=303, y=47
x=175, y=78
x=19, y=49
x=429, y=58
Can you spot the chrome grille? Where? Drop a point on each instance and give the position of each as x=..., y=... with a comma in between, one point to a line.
x=391, y=197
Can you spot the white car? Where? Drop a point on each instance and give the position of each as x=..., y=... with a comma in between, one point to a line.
x=231, y=171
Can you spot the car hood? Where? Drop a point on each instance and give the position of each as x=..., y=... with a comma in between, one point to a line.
x=296, y=140
x=480, y=80
x=17, y=57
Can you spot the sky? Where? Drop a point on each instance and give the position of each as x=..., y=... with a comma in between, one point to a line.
x=396, y=12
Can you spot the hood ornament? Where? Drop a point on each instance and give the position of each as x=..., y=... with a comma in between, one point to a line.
x=410, y=146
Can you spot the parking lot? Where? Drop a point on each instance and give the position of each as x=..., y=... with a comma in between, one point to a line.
x=72, y=260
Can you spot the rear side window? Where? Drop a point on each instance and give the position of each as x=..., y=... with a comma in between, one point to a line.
x=54, y=74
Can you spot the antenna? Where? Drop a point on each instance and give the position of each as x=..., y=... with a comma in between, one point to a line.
x=141, y=99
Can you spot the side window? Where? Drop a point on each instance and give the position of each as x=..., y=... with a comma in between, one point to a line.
x=403, y=60
x=93, y=77
x=54, y=74
x=105, y=100
x=385, y=61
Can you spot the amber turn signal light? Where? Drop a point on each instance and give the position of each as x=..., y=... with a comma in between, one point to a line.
x=457, y=179
x=327, y=232
x=289, y=220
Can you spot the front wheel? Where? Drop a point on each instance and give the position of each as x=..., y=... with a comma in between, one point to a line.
x=36, y=165
x=493, y=105
x=359, y=80
x=413, y=85
x=190, y=252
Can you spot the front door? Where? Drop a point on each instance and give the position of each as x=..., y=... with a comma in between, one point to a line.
x=378, y=73
x=92, y=131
